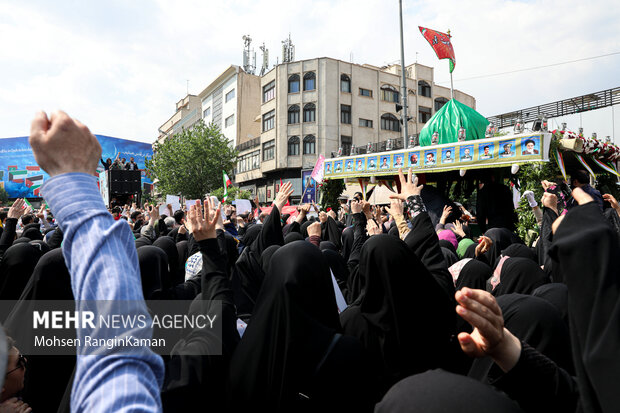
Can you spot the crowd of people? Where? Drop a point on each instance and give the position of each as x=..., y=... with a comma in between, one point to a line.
x=370, y=308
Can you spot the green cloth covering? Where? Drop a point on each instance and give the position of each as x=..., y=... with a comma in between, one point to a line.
x=447, y=121
x=462, y=247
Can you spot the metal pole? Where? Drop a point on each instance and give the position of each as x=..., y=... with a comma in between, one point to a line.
x=451, y=87
x=403, y=78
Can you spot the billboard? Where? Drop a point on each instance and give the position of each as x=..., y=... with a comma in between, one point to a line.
x=21, y=177
x=309, y=186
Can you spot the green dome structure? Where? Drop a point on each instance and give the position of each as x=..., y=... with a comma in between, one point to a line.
x=447, y=121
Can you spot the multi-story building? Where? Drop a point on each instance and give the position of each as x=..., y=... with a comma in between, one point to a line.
x=317, y=106
x=232, y=102
x=186, y=115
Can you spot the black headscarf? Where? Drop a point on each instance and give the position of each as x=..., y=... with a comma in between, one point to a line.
x=328, y=245
x=438, y=391
x=556, y=294
x=251, y=234
x=294, y=321
x=21, y=240
x=348, y=235
x=520, y=250
x=394, y=231
x=331, y=232
x=40, y=245
x=449, y=256
x=183, y=252
x=474, y=275
x=339, y=268
x=168, y=245
x=384, y=315
x=17, y=265
x=265, y=257
x=143, y=241
x=447, y=244
x=304, y=229
x=33, y=234
x=293, y=236
x=502, y=238
x=520, y=275
x=153, y=270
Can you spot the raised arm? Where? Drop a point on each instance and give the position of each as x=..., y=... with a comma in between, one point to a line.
x=10, y=225
x=102, y=259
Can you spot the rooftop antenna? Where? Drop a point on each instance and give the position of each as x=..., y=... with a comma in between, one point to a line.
x=288, y=50
x=249, y=56
x=265, y=66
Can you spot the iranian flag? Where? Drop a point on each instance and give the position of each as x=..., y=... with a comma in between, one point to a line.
x=440, y=42
x=227, y=183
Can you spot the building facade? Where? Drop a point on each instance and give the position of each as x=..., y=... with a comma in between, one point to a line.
x=321, y=105
x=186, y=115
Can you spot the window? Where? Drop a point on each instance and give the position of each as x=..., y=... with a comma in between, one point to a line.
x=439, y=102
x=424, y=114
x=293, y=146
x=390, y=122
x=389, y=93
x=293, y=84
x=309, y=145
x=345, y=114
x=248, y=161
x=269, y=150
x=293, y=114
x=206, y=112
x=424, y=89
x=345, y=83
x=309, y=112
x=230, y=95
x=269, y=120
x=365, y=123
x=229, y=121
x=365, y=92
x=345, y=142
x=309, y=81
x=269, y=91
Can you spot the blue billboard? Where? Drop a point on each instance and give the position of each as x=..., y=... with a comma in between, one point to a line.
x=21, y=177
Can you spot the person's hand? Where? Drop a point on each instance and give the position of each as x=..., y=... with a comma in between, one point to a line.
x=322, y=216
x=286, y=189
x=484, y=245
x=203, y=220
x=366, y=208
x=550, y=200
x=40, y=213
x=314, y=229
x=356, y=207
x=447, y=210
x=612, y=200
x=153, y=213
x=240, y=221
x=458, y=229
x=17, y=209
x=372, y=228
x=62, y=145
x=547, y=185
x=396, y=207
x=408, y=186
x=332, y=214
x=169, y=208
x=581, y=197
x=345, y=208
x=182, y=229
x=480, y=309
x=14, y=405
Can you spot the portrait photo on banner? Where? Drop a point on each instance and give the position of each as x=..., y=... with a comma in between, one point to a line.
x=507, y=149
x=328, y=168
x=413, y=159
x=447, y=155
x=359, y=164
x=349, y=165
x=399, y=161
x=430, y=157
x=485, y=151
x=372, y=163
x=530, y=146
x=385, y=162
x=337, y=167
x=466, y=153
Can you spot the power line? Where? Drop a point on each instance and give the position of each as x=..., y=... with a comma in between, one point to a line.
x=534, y=68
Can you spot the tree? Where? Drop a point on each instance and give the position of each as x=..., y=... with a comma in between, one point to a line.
x=233, y=193
x=332, y=189
x=4, y=196
x=190, y=163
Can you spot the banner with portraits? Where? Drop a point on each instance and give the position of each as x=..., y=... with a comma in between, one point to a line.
x=483, y=153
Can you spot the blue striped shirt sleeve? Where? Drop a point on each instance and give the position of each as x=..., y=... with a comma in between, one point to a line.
x=101, y=257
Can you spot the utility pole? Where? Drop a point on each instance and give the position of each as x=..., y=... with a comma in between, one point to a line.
x=403, y=78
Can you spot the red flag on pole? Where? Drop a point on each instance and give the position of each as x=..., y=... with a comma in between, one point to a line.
x=440, y=42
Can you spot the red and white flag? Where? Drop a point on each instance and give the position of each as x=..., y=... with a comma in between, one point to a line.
x=317, y=172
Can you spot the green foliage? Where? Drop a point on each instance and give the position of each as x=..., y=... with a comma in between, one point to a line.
x=233, y=193
x=190, y=163
x=4, y=197
x=331, y=190
x=147, y=197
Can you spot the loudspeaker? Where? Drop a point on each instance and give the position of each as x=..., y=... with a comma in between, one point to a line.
x=125, y=182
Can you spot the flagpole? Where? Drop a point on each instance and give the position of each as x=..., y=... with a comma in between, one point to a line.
x=451, y=82
x=403, y=93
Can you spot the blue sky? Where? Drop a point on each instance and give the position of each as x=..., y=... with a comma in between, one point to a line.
x=120, y=66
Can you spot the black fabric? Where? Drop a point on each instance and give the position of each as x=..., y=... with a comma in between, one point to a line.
x=50, y=281
x=142, y=241
x=284, y=350
x=339, y=268
x=330, y=231
x=170, y=248
x=348, y=236
x=41, y=245
x=447, y=244
x=232, y=252
x=304, y=229
x=520, y=275
x=251, y=233
x=265, y=257
x=248, y=274
x=520, y=250
x=474, y=275
x=55, y=240
x=556, y=294
x=21, y=240
x=388, y=321
x=438, y=391
x=495, y=208
x=33, y=234
x=502, y=238
x=153, y=270
x=355, y=283
x=471, y=251
x=293, y=236
x=17, y=266
x=183, y=252
x=8, y=235
x=394, y=231
x=546, y=238
x=449, y=256
x=328, y=245
x=585, y=248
